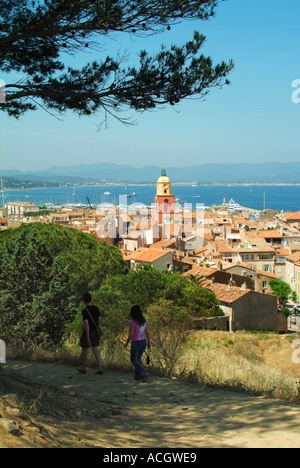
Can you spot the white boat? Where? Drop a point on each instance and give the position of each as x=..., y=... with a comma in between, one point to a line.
x=233, y=206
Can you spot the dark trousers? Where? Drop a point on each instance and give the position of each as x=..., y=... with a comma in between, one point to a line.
x=137, y=350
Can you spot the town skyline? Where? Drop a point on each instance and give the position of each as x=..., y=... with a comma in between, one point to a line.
x=233, y=250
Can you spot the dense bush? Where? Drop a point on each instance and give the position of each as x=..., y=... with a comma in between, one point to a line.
x=88, y=261
x=35, y=301
x=44, y=269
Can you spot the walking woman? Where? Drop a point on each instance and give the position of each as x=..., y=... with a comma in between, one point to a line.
x=139, y=337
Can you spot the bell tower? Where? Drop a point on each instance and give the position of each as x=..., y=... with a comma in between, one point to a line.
x=164, y=200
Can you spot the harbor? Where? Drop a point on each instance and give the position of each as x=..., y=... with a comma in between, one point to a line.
x=251, y=200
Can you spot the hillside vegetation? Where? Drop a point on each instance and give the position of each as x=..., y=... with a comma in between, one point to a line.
x=44, y=269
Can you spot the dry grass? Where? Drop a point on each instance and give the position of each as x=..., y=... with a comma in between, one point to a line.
x=258, y=363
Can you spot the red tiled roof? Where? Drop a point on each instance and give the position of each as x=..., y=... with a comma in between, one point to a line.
x=226, y=294
x=146, y=255
x=293, y=216
x=294, y=257
x=269, y=233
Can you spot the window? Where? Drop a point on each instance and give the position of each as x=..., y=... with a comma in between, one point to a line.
x=265, y=257
x=166, y=205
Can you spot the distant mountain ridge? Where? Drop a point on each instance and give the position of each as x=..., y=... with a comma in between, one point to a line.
x=202, y=173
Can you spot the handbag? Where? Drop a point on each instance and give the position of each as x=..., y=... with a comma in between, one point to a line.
x=99, y=329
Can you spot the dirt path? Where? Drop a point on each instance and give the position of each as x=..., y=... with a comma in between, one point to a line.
x=114, y=411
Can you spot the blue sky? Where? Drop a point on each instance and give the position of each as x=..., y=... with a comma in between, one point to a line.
x=252, y=120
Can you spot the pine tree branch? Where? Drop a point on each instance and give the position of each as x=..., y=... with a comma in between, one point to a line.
x=34, y=34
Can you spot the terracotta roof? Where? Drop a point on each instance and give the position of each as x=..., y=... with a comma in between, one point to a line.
x=269, y=233
x=208, y=236
x=224, y=265
x=201, y=250
x=146, y=255
x=294, y=257
x=266, y=273
x=252, y=234
x=220, y=246
x=293, y=216
x=286, y=214
x=256, y=245
x=163, y=243
x=223, y=247
x=201, y=271
x=241, y=219
x=226, y=294
x=283, y=252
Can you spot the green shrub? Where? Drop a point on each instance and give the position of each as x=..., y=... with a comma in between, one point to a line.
x=35, y=301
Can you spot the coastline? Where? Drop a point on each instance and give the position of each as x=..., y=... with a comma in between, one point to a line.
x=278, y=197
x=137, y=184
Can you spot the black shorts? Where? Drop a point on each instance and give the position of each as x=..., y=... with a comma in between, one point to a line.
x=94, y=339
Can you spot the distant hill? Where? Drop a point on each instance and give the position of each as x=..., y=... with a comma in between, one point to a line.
x=202, y=173
x=22, y=180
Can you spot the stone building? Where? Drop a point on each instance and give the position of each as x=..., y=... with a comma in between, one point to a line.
x=249, y=310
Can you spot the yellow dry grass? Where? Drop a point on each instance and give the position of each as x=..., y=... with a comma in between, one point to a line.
x=259, y=363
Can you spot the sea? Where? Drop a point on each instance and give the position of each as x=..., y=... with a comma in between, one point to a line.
x=258, y=197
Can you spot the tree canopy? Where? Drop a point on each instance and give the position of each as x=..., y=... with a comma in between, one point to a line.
x=283, y=291
x=44, y=270
x=88, y=261
x=35, y=299
x=35, y=35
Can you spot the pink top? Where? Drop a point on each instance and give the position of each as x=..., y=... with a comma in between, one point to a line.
x=139, y=330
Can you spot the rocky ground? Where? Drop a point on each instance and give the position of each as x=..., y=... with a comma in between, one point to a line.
x=51, y=405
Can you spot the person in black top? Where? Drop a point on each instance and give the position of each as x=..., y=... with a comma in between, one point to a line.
x=90, y=335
